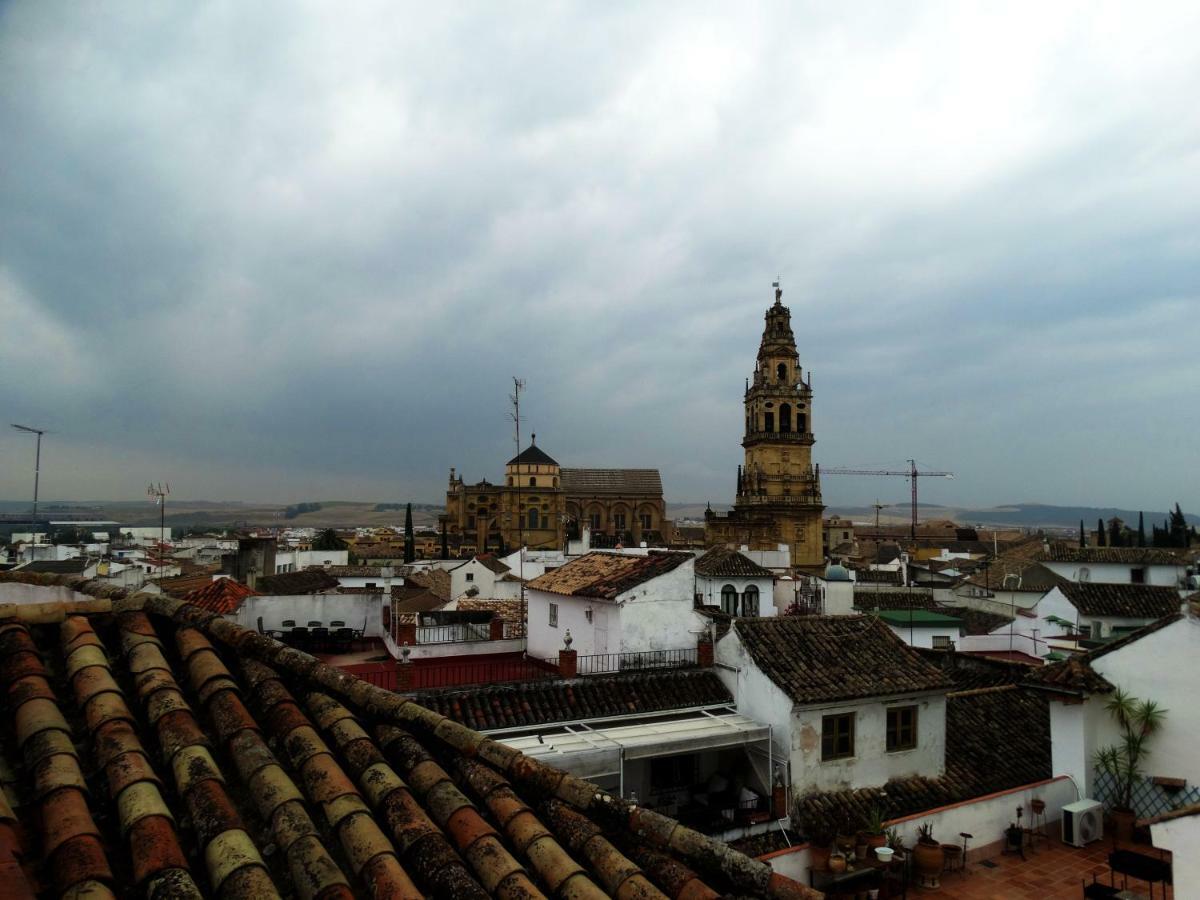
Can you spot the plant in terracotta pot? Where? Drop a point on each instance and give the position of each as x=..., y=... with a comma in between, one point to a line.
x=874, y=833
x=895, y=840
x=1138, y=721
x=837, y=862
x=847, y=838
x=820, y=839
x=928, y=856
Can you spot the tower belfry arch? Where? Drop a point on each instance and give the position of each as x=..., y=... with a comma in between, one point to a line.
x=778, y=489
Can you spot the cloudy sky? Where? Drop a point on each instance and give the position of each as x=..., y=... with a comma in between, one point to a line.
x=288, y=251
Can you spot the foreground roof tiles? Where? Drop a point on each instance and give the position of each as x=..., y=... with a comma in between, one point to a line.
x=607, y=575
x=815, y=659
x=233, y=766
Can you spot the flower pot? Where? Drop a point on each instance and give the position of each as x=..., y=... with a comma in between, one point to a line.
x=929, y=860
x=846, y=842
x=818, y=858
x=860, y=851
x=837, y=864
x=885, y=854
x=876, y=840
x=1123, y=820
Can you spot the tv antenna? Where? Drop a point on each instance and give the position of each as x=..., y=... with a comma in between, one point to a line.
x=159, y=493
x=37, y=468
x=515, y=415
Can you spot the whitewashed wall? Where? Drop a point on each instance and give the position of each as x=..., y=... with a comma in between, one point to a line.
x=710, y=591
x=871, y=765
x=1182, y=837
x=923, y=637
x=1114, y=573
x=754, y=694
x=356, y=610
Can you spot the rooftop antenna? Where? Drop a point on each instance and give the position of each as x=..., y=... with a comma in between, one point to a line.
x=159, y=493
x=515, y=415
x=37, y=469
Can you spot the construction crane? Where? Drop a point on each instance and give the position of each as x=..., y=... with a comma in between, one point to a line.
x=912, y=473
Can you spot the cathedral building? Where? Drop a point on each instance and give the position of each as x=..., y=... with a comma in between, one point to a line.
x=778, y=489
x=543, y=505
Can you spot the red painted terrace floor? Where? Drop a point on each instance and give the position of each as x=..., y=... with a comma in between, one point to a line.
x=1051, y=870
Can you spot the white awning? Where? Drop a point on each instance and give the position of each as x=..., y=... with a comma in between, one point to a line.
x=590, y=751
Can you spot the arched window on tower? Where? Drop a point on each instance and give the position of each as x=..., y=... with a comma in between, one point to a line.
x=533, y=519
x=781, y=372
x=769, y=421
x=729, y=600
x=801, y=423
x=533, y=482
x=785, y=417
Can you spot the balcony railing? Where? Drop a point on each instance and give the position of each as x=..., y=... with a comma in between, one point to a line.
x=465, y=672
x=453, y=634
x=608, y=663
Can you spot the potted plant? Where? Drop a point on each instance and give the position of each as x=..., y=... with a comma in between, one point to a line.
x=820, y=839
x=837, y=862
x=895, y=840
x=928, y=856
x=847, y=837
x=874, y=833
x=1138, y=720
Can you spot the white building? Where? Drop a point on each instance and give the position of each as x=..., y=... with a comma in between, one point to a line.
x=1155, y=663
x=849, y=705
x=923, y=627
x=1114, y=565
x=614, y=603
x=735, y=583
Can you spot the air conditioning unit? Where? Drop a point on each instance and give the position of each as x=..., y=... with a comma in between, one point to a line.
x=1082, y=822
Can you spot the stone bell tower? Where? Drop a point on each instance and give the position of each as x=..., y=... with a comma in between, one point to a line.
x=778, y=491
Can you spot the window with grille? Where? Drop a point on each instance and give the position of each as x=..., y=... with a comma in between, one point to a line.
x=837, y=737
x=553, y=615
x=901, y=728
x=942, y=642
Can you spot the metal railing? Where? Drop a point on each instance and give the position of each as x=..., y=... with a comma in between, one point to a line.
x=463, y=673
x=608, y=663
x=452, y=634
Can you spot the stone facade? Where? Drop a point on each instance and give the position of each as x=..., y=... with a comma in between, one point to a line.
x=778, y=489
x=542, y=505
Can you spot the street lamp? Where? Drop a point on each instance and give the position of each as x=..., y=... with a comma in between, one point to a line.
x=37, y=468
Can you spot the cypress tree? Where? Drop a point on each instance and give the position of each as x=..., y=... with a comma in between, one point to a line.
x=1141, y=535
x=445, y=544
x=410, y=552
x=1082, y=536
x=1114, y=532
x=1100, y=533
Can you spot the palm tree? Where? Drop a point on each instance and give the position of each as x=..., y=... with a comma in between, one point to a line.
x=1138, y=720
x=329, y=539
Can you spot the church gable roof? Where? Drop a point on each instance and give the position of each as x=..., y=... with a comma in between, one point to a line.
x=621, y=482
x=533, y=455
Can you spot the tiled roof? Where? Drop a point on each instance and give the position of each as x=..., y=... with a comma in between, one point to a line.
x=348, y=571
x=493, y=564
x=621, y=482
x=56, y=566
x=969, y=671
x=1075, y=674
x=877, y=576
x=223, y=595
x=594, y=697
x=415, y=599
x=976, y=621
x=436, y=580
x=309, y=581
x=181, y=585
x=722, y=562
x=606, y=575
x=871, y=599
x=996, y=738
x=533, y=455
x=816, y=659
x=1132, y=556
x=1131, y=601
x=1015, y=574
x=230, y=765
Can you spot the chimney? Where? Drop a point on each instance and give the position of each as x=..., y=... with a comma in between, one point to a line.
x=496, y=629
x=779, y=804
x=704, y=650
x=406, y=633
x=404, y=672
x=568, y=659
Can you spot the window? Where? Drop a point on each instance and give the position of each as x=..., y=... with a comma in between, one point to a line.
x=470, y=521
x=553, y=615
x=594, y=521
x=750, y=601
x=371, y=585
x=781, y=372
x=837, y=737
x=533, y=482
x=1137, y=576
x=729, y=599
x=801, y=423
x=769, y=421
x=470, y=576
x=619, y=521
x=785, y=417
x=645, y=520
x=942, y=642
x=901, y=728
x=510, y=481
x=1084, y=574
x=533, y=518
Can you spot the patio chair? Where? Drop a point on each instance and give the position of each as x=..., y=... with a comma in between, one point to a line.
x=343, y=638
x=288, y=623
x=337, y=624
x=315, y=624
x=298, y=637
x=320, y=637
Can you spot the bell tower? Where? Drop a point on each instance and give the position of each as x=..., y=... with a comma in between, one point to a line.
x=778, y=497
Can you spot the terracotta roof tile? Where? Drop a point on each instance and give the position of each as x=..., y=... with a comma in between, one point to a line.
x=418, y=804
x=607, y=575
x=621, y=482
x=1132, y=556
x=223, y=595
x=815, y=659
x=1133, y=601
x=310, y=581
x=722, y=562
